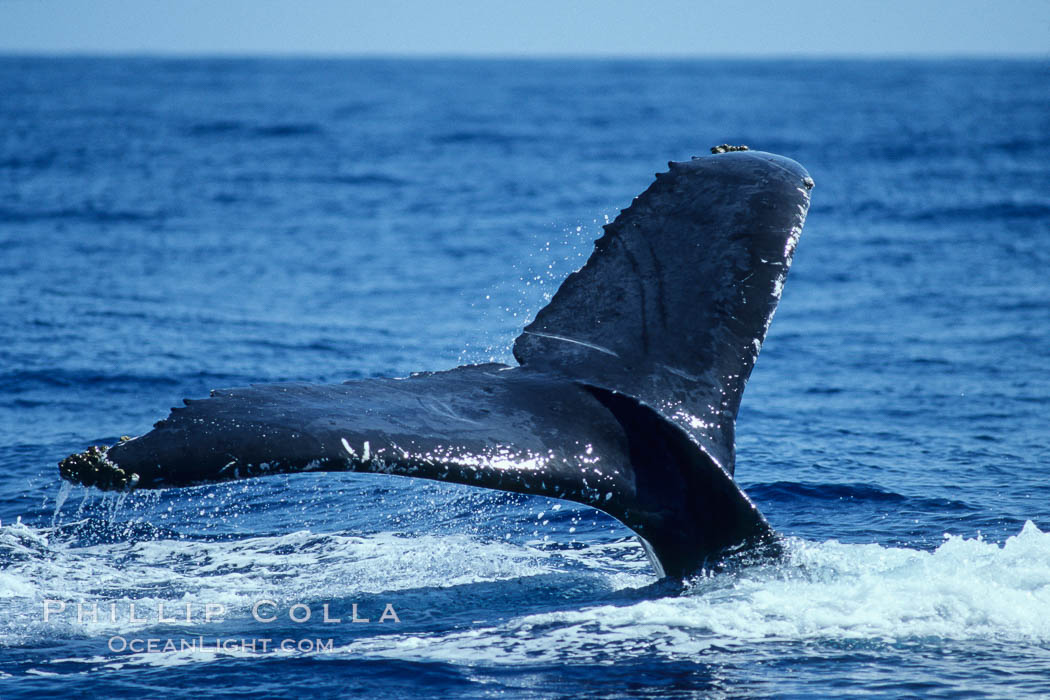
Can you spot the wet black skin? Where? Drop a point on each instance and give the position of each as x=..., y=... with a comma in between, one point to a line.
x=625, y=397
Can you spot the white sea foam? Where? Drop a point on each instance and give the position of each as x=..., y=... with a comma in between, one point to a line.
x=965, y=589
x=236, y=574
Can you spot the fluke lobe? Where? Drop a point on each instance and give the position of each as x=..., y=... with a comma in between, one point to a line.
x=624, y=397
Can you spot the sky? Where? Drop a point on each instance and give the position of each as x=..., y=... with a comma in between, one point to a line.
x=529, y=27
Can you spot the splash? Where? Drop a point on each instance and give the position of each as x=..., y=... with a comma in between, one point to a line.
x=60, y=500
x=967, y=589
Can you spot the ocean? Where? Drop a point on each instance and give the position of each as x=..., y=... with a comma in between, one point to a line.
x=171, y=226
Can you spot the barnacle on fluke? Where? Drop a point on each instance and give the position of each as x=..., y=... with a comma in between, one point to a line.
x=726, y=148
x=92, y=468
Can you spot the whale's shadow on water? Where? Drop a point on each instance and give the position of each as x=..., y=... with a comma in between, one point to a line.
x=625, y=395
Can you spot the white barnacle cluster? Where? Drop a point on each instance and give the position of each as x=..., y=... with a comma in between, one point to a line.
x=366, y=450
x=376, y=461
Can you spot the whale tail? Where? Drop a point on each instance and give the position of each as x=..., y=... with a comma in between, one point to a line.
x=625, y=398
x=674, y=303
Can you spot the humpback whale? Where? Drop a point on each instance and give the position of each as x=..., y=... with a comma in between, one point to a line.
x=624, y=396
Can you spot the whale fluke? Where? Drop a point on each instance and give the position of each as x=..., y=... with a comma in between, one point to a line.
x=673, y=305
x=624, y=399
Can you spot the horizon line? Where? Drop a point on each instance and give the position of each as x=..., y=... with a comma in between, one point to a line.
x=524, y=56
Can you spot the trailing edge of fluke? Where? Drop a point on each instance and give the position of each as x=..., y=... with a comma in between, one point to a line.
x=624, y=398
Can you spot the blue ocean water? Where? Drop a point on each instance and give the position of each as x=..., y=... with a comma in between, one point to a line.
x=172, y=226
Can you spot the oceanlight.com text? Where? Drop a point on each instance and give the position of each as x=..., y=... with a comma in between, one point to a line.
x=119, y=644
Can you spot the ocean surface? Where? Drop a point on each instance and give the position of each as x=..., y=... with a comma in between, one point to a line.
x=172, y=226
